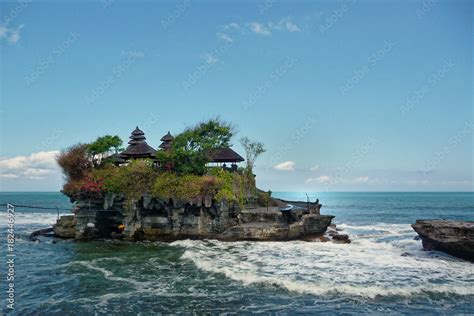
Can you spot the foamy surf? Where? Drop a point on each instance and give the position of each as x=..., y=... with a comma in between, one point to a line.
x=390, y=263
x=36, y=219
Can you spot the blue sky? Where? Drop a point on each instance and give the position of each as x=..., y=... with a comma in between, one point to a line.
x=346, y=95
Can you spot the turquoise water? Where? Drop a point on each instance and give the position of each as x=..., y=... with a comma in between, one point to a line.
x=384, y=270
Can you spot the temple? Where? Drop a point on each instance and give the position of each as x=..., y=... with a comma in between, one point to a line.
x=225, y=155
x=138, y=148
x=166, y=141
x=146, y=200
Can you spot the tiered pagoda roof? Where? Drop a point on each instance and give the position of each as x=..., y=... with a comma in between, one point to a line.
x=166, y=141
x=138, y=148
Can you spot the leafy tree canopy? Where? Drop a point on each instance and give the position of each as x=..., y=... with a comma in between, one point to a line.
x=208, y=135
x=189, y=151
x=103, y=147
x=105, y=144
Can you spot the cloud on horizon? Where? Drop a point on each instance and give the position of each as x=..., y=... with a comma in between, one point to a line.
x=35, y=166
x=285, y=166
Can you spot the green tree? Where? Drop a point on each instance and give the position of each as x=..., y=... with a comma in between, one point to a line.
x=103, y=147
x=253, y=149
x=190, y=150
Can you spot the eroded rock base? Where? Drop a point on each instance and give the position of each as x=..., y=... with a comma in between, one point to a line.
x=453, y=237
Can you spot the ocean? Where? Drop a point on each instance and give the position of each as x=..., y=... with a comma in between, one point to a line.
x=383, y=271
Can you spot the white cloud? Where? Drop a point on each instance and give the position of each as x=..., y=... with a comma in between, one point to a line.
x=288, y=24
x=224, y=37
x=133, y=53
x=35, y=166
x=8, y=175
x=231, y=26
x=323, y=179
x=12, y=35
x=285, y=166
x=363, y=179
x=314, y=168
x=259, y=29
x=209, y=58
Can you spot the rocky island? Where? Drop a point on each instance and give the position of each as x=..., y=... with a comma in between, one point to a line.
x=182, y=190
x=453, y=237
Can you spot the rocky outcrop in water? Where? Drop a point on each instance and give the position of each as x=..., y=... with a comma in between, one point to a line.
x=65, y=227
x=453, y=237
x=154, y=219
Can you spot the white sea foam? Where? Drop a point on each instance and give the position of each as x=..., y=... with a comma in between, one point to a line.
x=389, y=263
x=34, y=219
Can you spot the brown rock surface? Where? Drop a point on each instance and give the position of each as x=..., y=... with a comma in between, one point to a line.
x=65, y=227
x=453, y=237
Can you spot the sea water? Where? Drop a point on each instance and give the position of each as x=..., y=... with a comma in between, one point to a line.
x=383, y=270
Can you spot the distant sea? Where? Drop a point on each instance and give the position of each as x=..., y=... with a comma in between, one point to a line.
x=384, y=269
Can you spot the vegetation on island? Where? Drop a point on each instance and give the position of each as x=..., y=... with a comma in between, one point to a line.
x=179, y=173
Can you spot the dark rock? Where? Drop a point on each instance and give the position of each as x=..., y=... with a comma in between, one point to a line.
x=340, y=237
x=323, y=239
x=343, y=239
x=41, y=232
x=65, y=227
x=453, y=237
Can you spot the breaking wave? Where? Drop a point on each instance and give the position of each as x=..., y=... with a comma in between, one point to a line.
x=34, y=219
x=382, y=260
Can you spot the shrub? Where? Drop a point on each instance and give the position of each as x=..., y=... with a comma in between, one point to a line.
x=135, y=179
x=74, y=162
x=111, y=176
x=187, y=187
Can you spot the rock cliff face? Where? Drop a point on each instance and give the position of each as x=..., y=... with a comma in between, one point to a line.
x=154, y=219
x=65, y=227
x=452, y=237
